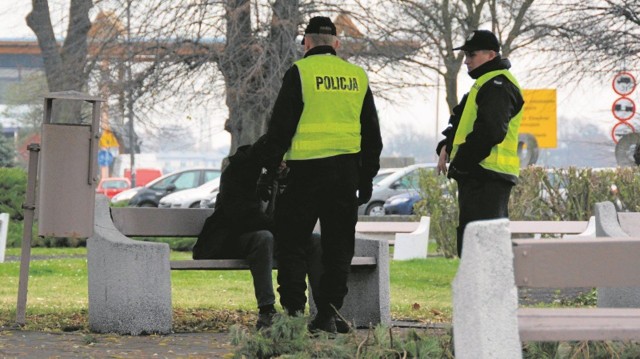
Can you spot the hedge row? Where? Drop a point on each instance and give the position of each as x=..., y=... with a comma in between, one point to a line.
x=13, y=187
x=542, y=194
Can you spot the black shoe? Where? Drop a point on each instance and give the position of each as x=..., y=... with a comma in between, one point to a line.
x=342, y=327
x=323, y=322
x=265, y=320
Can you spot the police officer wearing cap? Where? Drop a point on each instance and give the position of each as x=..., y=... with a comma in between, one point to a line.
x=325, y=126
x=482, y=137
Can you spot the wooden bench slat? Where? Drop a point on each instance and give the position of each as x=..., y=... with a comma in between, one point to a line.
x=174, y=222
x=562, y=324
x=563, y=263
x=159, y=222
x=238, y=264
x=219, y=264
x=547, y=227
x=629, y=222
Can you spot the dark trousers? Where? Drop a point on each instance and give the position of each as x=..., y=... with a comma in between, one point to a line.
x=325, y=190
x=481, y=199
x=257, y=249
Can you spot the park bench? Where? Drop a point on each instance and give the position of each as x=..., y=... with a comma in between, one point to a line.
x=617, y=224
x=411, y=239
x=559, y=228
x=487, y=320
x=563, y=263
x=129, y=280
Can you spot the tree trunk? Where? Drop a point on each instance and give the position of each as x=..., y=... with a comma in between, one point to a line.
x=253, y=67
x=452, y=66
x=64, y=67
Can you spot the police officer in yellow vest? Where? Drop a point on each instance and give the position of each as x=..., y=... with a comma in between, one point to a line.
x=482, y=136
x=325, y=125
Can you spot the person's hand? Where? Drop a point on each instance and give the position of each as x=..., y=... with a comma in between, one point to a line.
x=264, y=186
x=364, y=192
x=442, y=161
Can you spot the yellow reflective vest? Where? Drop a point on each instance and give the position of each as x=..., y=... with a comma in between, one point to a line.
x=333, y=91
x=504, y=156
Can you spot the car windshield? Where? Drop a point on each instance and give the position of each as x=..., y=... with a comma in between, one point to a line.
x=212, y=174
x=187, y=180
x=182, y=180
x=115, y=184
x=380, y=177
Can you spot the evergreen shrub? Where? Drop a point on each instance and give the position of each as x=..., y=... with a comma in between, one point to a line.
x=13, y=186
x=542, y=194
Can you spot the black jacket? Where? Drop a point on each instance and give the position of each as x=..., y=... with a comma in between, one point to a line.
x=238, y=209
x=498, y=102
x=286, y=116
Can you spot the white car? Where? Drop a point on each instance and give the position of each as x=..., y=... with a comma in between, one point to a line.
x=210, y=200
x=189, y=198
x=392, y=183
x=125, y=195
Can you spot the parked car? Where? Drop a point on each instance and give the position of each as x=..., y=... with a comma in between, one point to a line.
x=125, y=196
x=383, y=173
x=111, y=186
x=150, y=195
x=190, y=198
x=209, y=201
x=401, y=203
x=400, y=181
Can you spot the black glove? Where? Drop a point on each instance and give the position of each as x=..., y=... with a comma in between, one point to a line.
x=264, y=186
x=364, y=192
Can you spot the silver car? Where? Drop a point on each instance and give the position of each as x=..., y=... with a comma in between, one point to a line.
x=399, y=181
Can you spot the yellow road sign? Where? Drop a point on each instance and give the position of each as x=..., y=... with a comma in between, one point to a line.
x=540, y=116
x=108, y=139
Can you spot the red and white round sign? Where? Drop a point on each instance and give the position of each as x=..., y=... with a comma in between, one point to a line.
x=620, y=129
x=623, y=83
x=623, y=108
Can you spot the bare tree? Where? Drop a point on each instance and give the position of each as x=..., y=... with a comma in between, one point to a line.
x=202, y=49
x=590, y=37
x=65, y=66
x=253, y=66
x=198, y=49
x=439, y=26
x=247, y=46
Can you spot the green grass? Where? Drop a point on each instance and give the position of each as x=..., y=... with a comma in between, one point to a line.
x=58, y=290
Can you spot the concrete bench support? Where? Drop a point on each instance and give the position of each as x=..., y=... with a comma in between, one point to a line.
x=485, y=298
x=4, y=227
x=411, y=239
x=415, y=244
x=368, y=301
x=609, y=225
x=129, y=281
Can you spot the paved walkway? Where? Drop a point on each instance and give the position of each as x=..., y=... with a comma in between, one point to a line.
x=29, y=344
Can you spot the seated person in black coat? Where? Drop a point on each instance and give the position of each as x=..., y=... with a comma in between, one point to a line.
x=239, y=228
